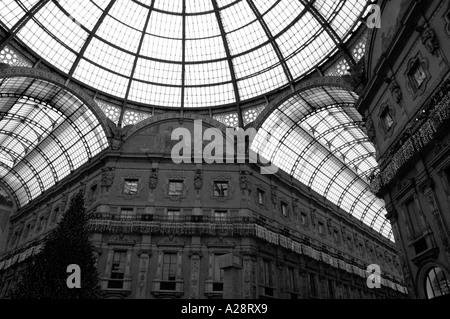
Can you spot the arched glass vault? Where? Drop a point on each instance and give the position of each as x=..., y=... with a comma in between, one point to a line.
x=318, y=137
x=180, y=53
x=142, y=55
x=45, y=134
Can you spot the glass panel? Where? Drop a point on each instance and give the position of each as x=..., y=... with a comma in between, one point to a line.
x=60, y=29
x=42, y=142
x=176, y=188
x=318, y=137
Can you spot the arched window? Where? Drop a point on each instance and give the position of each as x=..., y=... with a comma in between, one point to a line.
x=437, y=283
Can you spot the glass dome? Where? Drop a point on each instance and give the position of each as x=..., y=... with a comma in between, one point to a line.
x=178, y=53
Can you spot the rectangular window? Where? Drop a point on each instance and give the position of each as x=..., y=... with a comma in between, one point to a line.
x=261, y=195
x=284, y=209
x=292, y=284
x=418, y=74
x=130, y=186
x=330, y=289
x=173, y=214
x=220, y=214
x=267, y=273
x=218, y=273
x=416, y=219
x=312, y=285
x=175, y=187
x=126, y=213
x=387, y=119
x=118, y=265
x=221, y=189
x=169, y=267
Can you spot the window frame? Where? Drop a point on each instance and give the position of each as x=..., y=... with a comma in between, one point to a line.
x=226, y=192
x=175, y=192
x=133, y=191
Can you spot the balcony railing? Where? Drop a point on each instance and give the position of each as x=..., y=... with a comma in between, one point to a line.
x=177, y=225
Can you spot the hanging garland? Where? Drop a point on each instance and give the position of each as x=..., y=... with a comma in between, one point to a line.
x=435, y=118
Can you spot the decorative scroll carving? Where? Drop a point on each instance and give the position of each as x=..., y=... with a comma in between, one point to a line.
x=153, y=182
x=107, y=176
x=274, y=195
x=245, y=182
x=429, y=39
x=195, y=273
x=426, y=188
x=142, y=276
x=395, y=89
x=198, y=180
x=118, y=134
x=370, y=129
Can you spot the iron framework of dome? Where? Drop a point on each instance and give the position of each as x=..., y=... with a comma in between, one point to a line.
x=222, y=58
x=178, y=53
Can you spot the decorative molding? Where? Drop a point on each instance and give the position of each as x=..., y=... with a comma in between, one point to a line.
x=107, y=177
x=165, y=188
x=198, y=180
x=153, y=180
x=429, y=39
x=142, y=275
x=446, y=18
x=230, y=189
x=381, y=125
x=395, y=89
x=274, y=195
x=171, y=241
x=121, y=186
x=174, y=116
x=245, y=182
x=117, y=134
x=220, y=243
x=371, y=134
x=411, y=87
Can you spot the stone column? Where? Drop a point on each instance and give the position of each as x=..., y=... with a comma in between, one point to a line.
x=232, y=266
x=427, y=189
x=249, y=284
x=144, y=258
x=194, y=288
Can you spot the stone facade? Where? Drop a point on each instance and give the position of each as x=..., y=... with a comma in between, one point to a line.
x=165, y=230
x=407, y=109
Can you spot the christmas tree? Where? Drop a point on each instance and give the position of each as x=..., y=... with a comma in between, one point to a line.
x=68, y=244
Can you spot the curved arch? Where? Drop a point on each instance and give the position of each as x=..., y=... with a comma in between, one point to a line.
x=317, y=136
x=47, y=130
x=174, y=116
x=422, y=274
x=334, y=81
x=62, y=83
